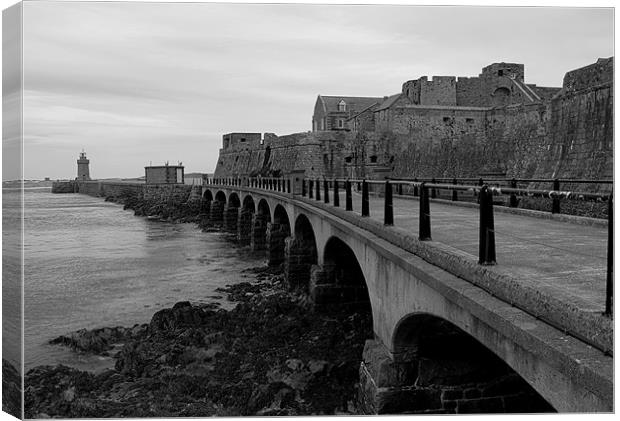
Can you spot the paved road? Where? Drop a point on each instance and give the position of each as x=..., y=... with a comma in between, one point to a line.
x=568, y=258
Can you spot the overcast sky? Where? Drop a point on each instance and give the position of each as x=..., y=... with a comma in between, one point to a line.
x=134, y=83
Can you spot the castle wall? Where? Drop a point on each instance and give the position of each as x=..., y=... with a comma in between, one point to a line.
x=580, y=141
x=440, y=91
x=496, y=128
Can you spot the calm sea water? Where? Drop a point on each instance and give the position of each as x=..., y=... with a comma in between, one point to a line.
x=88, y=264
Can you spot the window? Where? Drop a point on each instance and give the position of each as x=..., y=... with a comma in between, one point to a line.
x=340, y=123
x=348, y=159
x=373, y=159
x=342, y=106
x=469, y=120
x=242, y=139
x=500, y=73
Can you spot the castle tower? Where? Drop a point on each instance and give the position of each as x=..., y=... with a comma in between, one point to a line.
x=83, y=174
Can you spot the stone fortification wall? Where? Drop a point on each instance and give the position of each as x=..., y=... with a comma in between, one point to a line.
x=580, y=133
x=318, y=153
x=567, y=136
x=169, y=201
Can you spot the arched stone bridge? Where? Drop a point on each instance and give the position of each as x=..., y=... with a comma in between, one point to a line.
x=441, y=343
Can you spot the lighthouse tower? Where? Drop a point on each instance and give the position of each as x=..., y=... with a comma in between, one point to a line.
x=83, y=174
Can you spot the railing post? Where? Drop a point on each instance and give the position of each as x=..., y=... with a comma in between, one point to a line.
x=400, y=189
x=555, y=204
x=486, y=251
x=433, y=191
x=348, y=196
x=336, y=194
x=609, y=296
x=416, y=192
x=310, y=188
x=318, y=190
x=455, y=195
x=425, y=214
x=513, y=196
x=325, y=190
x=365, y=201
x=389, y=206
x=303, y=187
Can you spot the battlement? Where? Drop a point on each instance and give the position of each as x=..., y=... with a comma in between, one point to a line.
x=511, y=70
x=232, y=140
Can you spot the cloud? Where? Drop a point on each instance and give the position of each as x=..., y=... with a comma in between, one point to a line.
x=139, y=82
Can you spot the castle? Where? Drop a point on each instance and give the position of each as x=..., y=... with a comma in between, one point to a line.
x=446, y=126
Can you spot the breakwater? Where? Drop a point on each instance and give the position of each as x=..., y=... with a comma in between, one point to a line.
x=175, y=202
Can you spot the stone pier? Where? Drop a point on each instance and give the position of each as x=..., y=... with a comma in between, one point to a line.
x=300, y=256
x=275, y=241
x=216, y=212
x=258, y=235
x=441, y=381
x=231, y=216
x=244, y=226
x=328, y=287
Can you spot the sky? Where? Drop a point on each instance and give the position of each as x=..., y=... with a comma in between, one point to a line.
x=138, y=83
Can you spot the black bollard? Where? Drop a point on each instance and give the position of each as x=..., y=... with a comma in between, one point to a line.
x=348, y=196
x=555, y=204
x=336, y=194
x=486, y=251
x=325, y=190
x=389, y=206
x=455, y=195
x=513, y=196
x=318, y=190
x=609, y=296
x=425, y=214
x=365, y=200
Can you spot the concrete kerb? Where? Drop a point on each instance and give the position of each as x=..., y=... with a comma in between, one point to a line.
x=567, y=353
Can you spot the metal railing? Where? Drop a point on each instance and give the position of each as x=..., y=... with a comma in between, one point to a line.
x=323, y=189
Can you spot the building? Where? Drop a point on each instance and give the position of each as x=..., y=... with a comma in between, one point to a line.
x=83, y=173
x=165, y=174
x=333, y=112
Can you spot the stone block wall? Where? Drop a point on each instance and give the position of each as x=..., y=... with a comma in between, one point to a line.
x=568, y=136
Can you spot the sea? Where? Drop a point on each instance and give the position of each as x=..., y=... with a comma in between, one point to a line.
x=89, y=264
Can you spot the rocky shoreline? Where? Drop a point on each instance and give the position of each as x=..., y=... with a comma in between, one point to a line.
x=270, y=355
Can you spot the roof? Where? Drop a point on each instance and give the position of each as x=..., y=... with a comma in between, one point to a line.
x=387, y=103
x=363, y=111
x=354, y=103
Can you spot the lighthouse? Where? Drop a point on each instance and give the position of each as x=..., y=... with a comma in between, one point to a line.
x=83, y=174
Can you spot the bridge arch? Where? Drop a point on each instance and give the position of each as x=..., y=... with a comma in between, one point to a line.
x=340, y=279
x=278, y=230
x=207, y=198
x=231, y=212
x=245, y=220
x=216, y=208
x=455, y=372
x=301, y=254
x=260, y=221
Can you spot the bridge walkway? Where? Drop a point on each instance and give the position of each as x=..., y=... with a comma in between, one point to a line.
x=569, y=258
